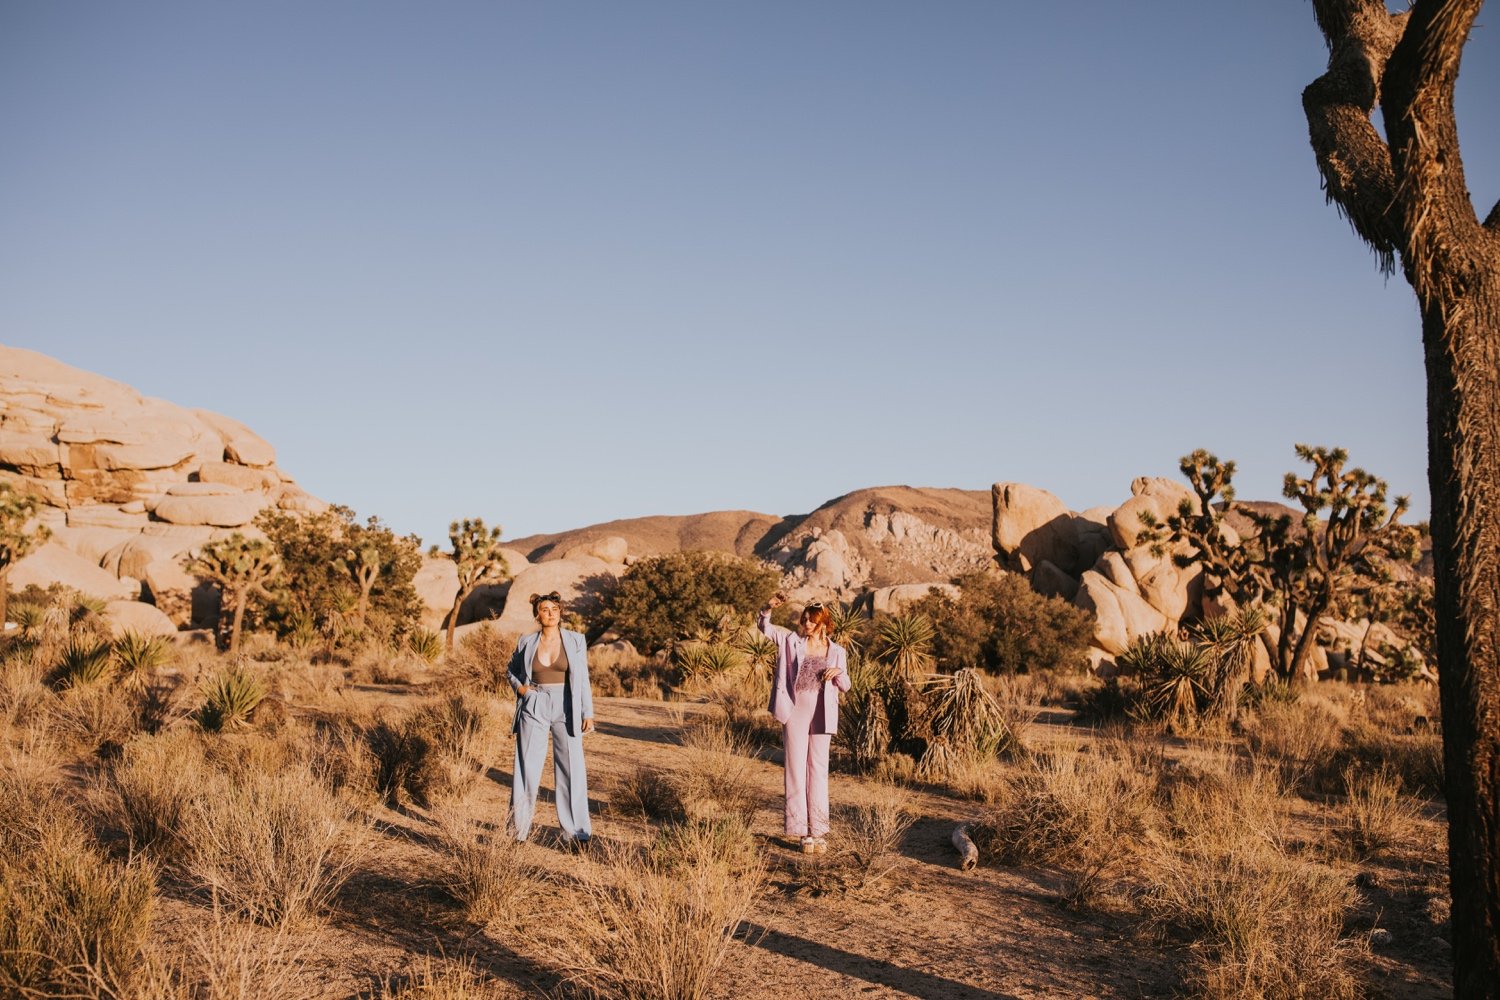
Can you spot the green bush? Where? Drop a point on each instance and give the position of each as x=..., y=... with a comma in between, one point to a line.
x=316, y=591
x=669, y=597
x=999, y=624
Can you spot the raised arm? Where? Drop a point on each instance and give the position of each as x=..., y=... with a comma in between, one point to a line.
x=763, y=620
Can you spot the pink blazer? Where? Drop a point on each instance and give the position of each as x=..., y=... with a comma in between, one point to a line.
x=789, y=649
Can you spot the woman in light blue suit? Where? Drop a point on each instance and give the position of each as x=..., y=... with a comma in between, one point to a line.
x=550, y=675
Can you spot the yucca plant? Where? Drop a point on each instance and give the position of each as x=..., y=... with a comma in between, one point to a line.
x=1175, y=681
x=758, y=650
x=230, y=699
x=140, y=656
x=1230, y=642
x=87, y=604
x=966, y=719
x=30, y=620
x=905, y=642
x=707, y=659
x=425, y=644
x=864, y=732
x=84, y=662
x=848, y=626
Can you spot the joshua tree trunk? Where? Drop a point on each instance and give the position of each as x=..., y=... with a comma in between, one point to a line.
x=4, y=595
x=458, y=602
x=1406, y=196
x=241, y=598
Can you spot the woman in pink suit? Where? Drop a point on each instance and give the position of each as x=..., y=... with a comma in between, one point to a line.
x=811, y=670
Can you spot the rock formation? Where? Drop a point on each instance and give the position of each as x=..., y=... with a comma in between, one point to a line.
x=130, y=486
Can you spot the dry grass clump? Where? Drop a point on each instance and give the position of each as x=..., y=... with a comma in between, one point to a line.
x=72, y=922
x=1265, y=923
x=153, y=784
x=272, y=844
x=478, y=662
x=716, y=775
x=647, y=931
x=618, y=671
x=646, y=791
x=1375, y=816
x=868, y=832
x=725, y=841
x=429, y=981
x=1298, y=739
x=490, y=875
x=1067, y=809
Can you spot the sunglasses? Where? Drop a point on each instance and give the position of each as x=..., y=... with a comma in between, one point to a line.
x=814, y=606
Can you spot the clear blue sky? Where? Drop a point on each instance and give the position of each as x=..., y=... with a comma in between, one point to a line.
x=554, y=263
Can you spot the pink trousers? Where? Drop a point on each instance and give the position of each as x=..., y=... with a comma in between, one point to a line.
x=806, y=770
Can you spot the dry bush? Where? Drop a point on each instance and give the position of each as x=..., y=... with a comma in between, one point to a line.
x=1068, y=810
x=869, y=831
x=618, y=672
x=967, y=775
x=428, y=981
x=272, y=844
x=724, y=841
x=897, y=769
x=72, y=922
x=431, y=755
x=490, y=875
x=646, y=791
x=743, y=703
x=1416, y=759
x=715, y=776
x=24, y=699
x=1299, y=739
x=152, y=787
x=228, y=959
x=478, y=661
x=644, y=932
x=1375, y=815
x=93, y=720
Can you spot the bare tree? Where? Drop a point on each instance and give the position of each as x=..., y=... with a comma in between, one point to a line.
x=1406, y=196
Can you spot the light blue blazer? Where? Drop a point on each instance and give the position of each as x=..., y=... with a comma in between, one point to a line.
x=580, y=697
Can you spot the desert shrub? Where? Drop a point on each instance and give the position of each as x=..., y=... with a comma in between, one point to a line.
x=273, y=845
x=715, y=777
x=1375, y=815
x=1298, y=739
x=226, y=958
x=726, y=841
x=429, y=981
x=1068, y=810
x=743, y=701
x=1415, y=760
x=703, y=661
x=646, y=791
x=896, y=769
x=139, y=657
x=152, y=788
x=316, y=593
x=490, y=875
x=1186, y=680
x=869, y=829
x=964, y=720
x=230, y=699
x=93, y=719
x=85, y=661
x=478, y=661
x=998, y=623
x=904, y=642
x=72, y=922
x=645, y=932
x=428, y=755
x=661, y=599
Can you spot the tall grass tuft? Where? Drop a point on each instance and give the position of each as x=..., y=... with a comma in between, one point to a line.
x=490, y=875
x=230, y=700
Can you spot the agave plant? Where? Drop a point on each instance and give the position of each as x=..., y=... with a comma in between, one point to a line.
x=140, y=656
x=1176, y=677
x=425, y=644
x=84, y=662
x=905, y=642
x=230, y=699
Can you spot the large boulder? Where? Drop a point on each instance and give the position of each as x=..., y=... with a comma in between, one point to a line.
x=580, y=581
x=222, y=510
x=52, y=563
x=1120, y=615
x=137, y=617
x=240, y=443
x=892, y=600
x=1031, y=525
x=611, y=549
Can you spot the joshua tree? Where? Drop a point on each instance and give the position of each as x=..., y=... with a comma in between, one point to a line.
x=1405, y=195
x=241, y=567
x=16, y=510
x=476, y=552
x=364, y=566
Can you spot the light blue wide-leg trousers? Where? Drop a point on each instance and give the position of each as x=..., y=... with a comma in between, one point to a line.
x=543, y=711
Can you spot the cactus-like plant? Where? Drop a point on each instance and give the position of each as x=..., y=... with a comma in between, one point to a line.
x=425, y=644
x=847, y=625
x=905, y=642
x=18, y=536
x=140, y=656
x=230, y=699
x=84, y=662
x=363, y=565
x=476, y=552
x=240, y=567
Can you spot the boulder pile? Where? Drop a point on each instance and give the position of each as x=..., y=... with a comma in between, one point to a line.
x=130, y=486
